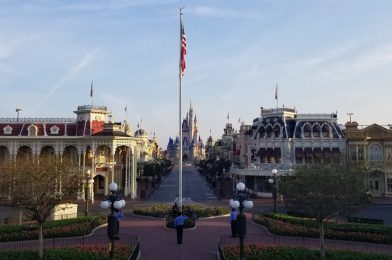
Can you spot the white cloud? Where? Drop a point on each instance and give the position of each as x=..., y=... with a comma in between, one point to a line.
x=220, y=13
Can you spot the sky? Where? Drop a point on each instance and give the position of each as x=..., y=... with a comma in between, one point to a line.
x=325, y=56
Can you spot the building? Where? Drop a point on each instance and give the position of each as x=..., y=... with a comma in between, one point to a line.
x=281, y=138
x=372, y=145
x=192, y=144
x=105, y=150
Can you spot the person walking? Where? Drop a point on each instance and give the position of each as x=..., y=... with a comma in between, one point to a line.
x=233, y=222
x=175, y=209
x=179, y=222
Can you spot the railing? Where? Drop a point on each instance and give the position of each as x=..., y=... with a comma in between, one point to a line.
x=131, y=241
x=84, y=107
x=304, y=242
x=37, y=120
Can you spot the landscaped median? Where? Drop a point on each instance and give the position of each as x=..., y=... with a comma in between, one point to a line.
x=193, y=211
x=255, y=252
x=281, y=224
x=99, y=252
x=51, y=229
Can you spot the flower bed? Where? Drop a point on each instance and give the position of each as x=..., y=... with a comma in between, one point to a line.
x=79, y=252
x=51, y=229
x=254, y=252
x=294, y=226
x=199, y=210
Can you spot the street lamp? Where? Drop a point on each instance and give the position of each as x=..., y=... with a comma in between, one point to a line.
x=274, y=187
x=115, y=202
x=18, y=110
x=240, y=202
x=88, y=181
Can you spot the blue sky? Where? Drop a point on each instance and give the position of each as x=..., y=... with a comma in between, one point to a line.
x=325, y=56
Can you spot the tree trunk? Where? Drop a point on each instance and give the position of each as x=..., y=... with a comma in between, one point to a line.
x=322, y=249
x=40, y=241
x=20, y=216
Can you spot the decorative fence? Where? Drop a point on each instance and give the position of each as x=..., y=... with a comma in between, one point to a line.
x=303, y=242
x=84, y=241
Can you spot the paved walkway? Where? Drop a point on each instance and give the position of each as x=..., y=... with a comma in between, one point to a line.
x=157, y=242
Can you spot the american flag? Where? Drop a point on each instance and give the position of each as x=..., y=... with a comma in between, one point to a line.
x=182, y=51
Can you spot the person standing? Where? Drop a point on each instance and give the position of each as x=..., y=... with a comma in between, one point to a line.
x=233, y=222
x=179, y=222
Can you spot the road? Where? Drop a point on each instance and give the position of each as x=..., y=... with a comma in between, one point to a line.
x=194, y=188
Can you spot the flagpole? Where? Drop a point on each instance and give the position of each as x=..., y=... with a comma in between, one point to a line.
x=179, y=120
x=91, y=94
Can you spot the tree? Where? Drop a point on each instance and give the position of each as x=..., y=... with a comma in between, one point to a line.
x=37, y=186
x=325, y=191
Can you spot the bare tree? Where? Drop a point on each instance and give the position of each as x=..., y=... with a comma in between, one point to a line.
x=37, y=186
x=325, y=191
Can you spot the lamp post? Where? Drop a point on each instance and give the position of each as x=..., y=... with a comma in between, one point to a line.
x=87, y=186
x=115, y=202
x=240, y=202
x=17, y=113
x=274, y=187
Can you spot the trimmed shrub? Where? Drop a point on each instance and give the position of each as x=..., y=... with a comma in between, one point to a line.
x=76, y=253
x=294, y=226
x=254, y=252
x=51, y=229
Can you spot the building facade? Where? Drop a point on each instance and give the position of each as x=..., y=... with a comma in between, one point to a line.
x=105, y=150
x=281, y=138
x=372, y=145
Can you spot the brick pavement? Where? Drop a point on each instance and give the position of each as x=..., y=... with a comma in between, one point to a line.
x=157, y=242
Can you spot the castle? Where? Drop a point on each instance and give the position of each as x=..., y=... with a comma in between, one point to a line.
x=192, y=144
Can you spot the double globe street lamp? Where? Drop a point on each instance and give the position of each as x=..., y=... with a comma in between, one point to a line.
x=115, y=202
x=241, y=201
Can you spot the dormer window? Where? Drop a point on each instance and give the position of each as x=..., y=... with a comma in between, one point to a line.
x=306, y=130
x=32, y=130
x=7, y=130
x=54, y=130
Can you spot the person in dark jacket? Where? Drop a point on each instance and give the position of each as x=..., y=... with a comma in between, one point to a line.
x=179, y=223
x=233, y=222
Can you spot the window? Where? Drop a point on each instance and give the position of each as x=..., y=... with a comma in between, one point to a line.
x=261, y=132
x=325, y=131
x=54, y=130
x=276, y=131
x=269, y=131
x=7, y=130
x=306, y=131
x=375, y=152
x=316, y=131
x=389, y=184
x=32, y=130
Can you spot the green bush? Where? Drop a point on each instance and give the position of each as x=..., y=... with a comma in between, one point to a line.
x=188, y=223
x=346, y=227
x=199, y=210
x=253, y=252
x=294, y=226
x=96, y=253
x=58, y=228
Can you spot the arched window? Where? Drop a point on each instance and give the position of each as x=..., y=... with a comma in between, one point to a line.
x=32, y=130
x=325, y=131
x=316, y=130
x=306, y=130
x=375, y=152
x=269, y=131
x=276, y=131
x=261, y=132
